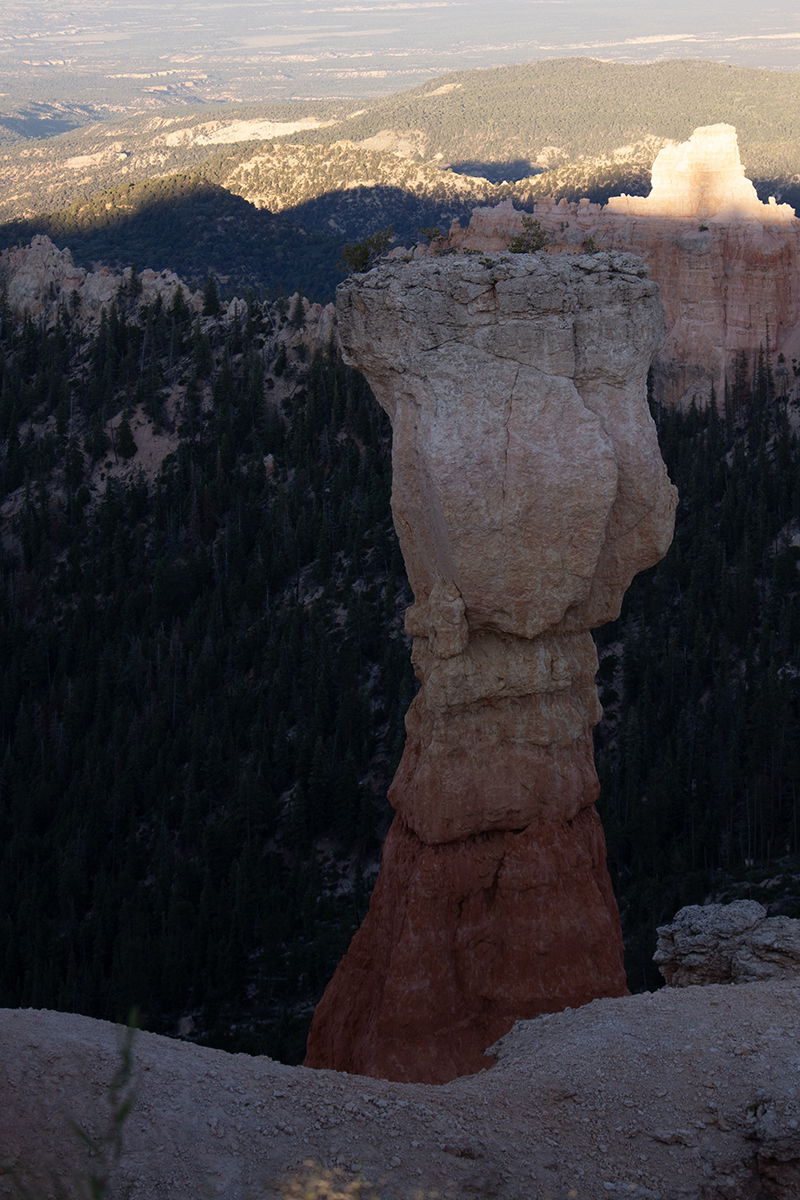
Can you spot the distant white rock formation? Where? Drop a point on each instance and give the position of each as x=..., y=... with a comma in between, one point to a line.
x=702, y=179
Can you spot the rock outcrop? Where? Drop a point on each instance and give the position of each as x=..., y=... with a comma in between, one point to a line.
x=703, y=179
x=728, y=266
x=685, y=1094
x=528, y=489
x=39, y=279
x=727, y=943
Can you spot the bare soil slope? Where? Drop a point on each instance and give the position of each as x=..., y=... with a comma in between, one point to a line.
x=681, y=1093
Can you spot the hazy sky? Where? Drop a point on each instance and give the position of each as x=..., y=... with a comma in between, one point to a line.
x=325, y=46
x=412, y=20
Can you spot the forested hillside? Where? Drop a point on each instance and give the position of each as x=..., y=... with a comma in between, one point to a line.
x=581, y=108
x=559, y=112
x=275, y=191
x=193, y=224
x=699, y=755
x=185, y=223
x=205, y=675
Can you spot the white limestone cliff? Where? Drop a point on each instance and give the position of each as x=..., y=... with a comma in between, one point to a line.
x=727, y=265
x=703, y=178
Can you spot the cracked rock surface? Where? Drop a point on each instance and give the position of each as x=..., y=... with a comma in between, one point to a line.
x=727, y=943
x=528, y=489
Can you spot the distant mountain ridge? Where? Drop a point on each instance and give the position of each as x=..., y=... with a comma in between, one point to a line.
x=587, y=107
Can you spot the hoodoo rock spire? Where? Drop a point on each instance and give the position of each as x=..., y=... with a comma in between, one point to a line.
x=528, y=489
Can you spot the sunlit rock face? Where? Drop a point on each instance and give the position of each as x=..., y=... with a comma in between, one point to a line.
x=704, y=179
x=528, y=489
x=728, y=266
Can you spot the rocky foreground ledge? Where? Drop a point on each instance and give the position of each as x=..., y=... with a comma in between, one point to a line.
x=681, y=1093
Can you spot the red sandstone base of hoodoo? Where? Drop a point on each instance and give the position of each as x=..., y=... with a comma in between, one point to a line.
x=465, y=938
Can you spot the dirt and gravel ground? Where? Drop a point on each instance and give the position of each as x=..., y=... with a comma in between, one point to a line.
x=684, y=1093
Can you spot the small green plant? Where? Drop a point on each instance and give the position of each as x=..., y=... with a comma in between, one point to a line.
x=125, y=441
x=104, y=1149
x=297, y=312
x=315, y=1182
x=211, y=301
x=532, y=238
x=360, y=256
x=279, y=366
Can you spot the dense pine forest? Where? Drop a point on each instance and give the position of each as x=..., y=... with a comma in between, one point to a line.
x=204, y=672
x=699, y=756
x=204, y=678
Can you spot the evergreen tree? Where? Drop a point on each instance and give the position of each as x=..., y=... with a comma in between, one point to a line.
x=211, y=303
x=125, y=442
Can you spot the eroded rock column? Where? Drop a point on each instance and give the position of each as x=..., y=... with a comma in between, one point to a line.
x=528, y=489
